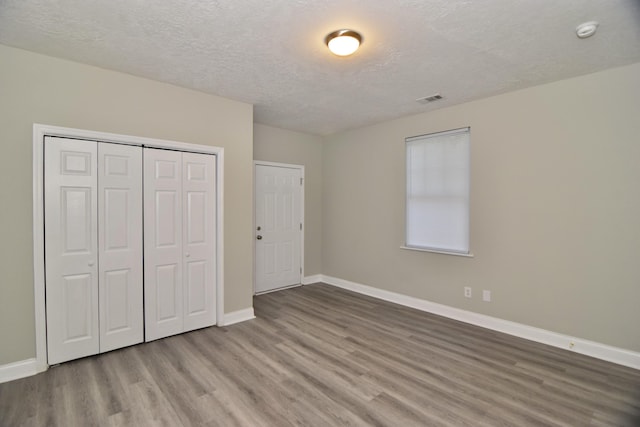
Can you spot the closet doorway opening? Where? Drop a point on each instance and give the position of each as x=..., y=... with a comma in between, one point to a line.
x=40, y=132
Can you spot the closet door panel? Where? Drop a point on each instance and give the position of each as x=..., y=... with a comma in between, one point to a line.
x=120, y=238
x=199, y=185
x=163, y=246
x=71, y=249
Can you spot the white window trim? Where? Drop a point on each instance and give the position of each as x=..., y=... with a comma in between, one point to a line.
x=406, y=246
x=39, y=132
x=437, y=251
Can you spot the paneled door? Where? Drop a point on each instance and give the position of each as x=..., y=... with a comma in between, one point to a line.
x=120, y=245
x=179, y=202
x=71, y=248
x=198, y=184
x=278, y=221
x=163, y=243
x=93, y=247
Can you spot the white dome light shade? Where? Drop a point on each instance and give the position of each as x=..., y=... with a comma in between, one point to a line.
x=343, y=42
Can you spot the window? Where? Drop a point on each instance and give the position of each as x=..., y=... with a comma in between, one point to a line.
x=438, y=192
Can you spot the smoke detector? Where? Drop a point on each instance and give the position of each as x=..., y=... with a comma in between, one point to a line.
x=586, y=29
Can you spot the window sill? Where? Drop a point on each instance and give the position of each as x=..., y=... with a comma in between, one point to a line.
x=436, y=251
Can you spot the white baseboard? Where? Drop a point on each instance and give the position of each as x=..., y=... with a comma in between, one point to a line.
x=21, y=369
x=308, y=280
x=590, y=348
x=238, y=316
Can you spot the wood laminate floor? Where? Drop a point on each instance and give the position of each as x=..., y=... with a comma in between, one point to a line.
x=322, y=356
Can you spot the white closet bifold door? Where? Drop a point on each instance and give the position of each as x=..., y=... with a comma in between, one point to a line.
x=120, y=245
x=163, y=243
x=97, y=298
x=71, y=248
x=179, y=227
x=198, y=187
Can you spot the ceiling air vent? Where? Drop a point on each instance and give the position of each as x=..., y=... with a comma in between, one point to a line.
x=428, y=99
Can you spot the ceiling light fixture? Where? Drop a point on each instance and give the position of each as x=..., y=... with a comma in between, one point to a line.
x=343, y=42
x=586, y=29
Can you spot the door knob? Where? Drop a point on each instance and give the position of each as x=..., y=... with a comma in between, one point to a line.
x=187, y=254
x=259, y=228
x=91, y=263
x=259, y=237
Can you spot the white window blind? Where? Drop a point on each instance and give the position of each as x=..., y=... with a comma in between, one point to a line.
x=438, y=191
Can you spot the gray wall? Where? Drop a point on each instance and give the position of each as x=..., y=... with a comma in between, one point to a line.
x=284, y=146
x=41, y=89
x=555, y=208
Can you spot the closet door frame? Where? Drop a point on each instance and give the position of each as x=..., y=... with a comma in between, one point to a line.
x=39, y=133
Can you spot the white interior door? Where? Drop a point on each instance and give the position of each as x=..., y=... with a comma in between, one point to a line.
x=278, y=216
x=163, y=248
x=198, y=188
x=71, y=248
x=120, y=242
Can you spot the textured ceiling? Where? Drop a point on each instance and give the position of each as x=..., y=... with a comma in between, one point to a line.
x=271, y=53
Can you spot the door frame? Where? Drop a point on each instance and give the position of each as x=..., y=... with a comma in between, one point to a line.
x=39, y=132
x=302, y=217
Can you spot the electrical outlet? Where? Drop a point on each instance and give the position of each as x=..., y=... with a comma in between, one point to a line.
x=486, y=296
x=467, y=292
